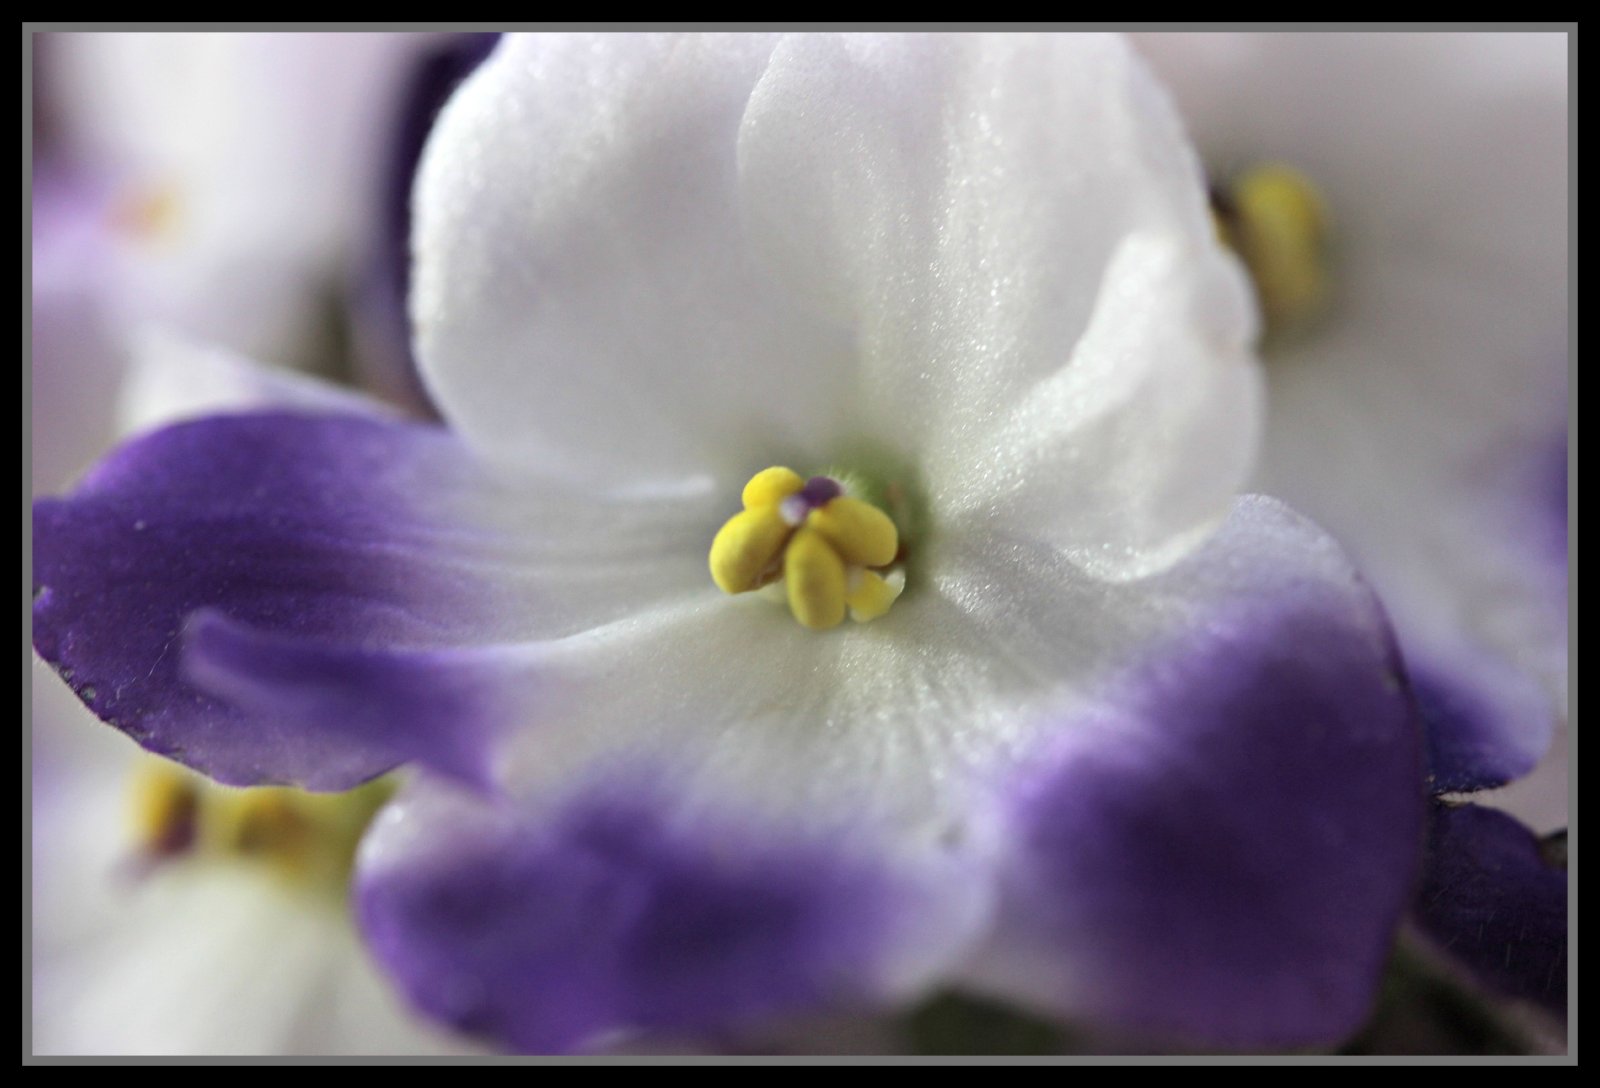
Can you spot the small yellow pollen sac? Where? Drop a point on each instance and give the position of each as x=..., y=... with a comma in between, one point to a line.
x=166, y=804
x=821, y=543
x=771, y=485
x=862, y=534
x=871, y=594
x=815, y=576
x=1280, y=229
x=745, y=551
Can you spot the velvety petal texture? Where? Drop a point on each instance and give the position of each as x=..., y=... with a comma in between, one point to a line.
x=923, y=191
x=614, y=262
x=265, y=597
x=1218, y=849
x=1492, y=900
x=800, y=252
x=383, y=328
x=619, y=908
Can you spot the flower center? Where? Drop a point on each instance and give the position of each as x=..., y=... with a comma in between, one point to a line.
x=832, y=551
x=1275, y=219
x=304, y=837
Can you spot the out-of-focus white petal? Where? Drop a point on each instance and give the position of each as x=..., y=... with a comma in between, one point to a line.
x=1423, y=420
x=242, y=163
x=171, y=378
x=199, y=957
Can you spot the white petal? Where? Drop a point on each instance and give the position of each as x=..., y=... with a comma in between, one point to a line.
x=966, y=204
x=585, y=301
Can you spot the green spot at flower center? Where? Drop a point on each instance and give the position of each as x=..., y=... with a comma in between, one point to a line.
x=1276, y=220
x=833, y=550
x=305, y=838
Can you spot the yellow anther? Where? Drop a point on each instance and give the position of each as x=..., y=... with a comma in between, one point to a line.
x=166, y=802
x=746, y=550
x=298, y=835
x=871, y=594
x=819, y=541
x=862, y=534
x=771, y=485
x=815, y=577
x=262, y=822
x=1279, y=227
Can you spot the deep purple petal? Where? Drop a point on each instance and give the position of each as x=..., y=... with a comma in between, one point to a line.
x=1222, y=852
x=385, y=333
x=270, y=598
x=618, y=912
x=1471, y=744
x=1492, y=901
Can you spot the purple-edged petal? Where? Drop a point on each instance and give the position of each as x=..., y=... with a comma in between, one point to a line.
x=1220, y=851
x=1484, y=727
x=197, y=568
x=1493, y=902
x=623, y=907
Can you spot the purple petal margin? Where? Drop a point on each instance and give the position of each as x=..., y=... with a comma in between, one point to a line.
x=1222, y=853
x=616, y=914
x=266, y=598
x=1477, y=741
x=1494, y=904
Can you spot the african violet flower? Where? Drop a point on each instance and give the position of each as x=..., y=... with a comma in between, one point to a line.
x=1119, y=750
x=1421, y=415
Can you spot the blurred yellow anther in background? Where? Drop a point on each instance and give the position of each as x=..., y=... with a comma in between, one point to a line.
x=299, y=835
x=165, y=807
x=1275, y=219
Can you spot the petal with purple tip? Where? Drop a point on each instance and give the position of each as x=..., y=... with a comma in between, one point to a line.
x=314, y=529
x=1220, y=850
x=621, y=907
x=1493, y=902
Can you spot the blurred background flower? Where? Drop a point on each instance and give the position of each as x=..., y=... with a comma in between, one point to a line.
x=219, y=187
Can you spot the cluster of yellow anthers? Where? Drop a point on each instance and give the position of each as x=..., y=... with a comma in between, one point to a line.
x=1275, y=219
x=301, y=835
x=829, y=549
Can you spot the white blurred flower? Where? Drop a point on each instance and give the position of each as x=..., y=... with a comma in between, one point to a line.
x=1422, y=418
